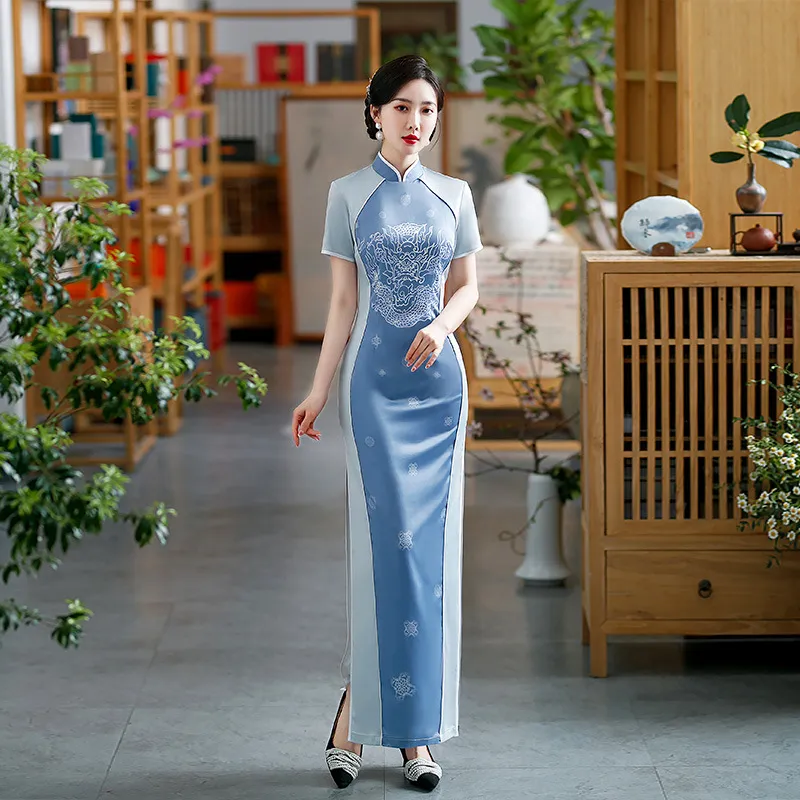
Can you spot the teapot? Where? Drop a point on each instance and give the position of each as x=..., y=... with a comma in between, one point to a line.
x=757, y=239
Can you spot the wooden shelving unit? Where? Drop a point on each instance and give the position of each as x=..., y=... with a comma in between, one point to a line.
x=36, y=111
x=672, y=90
x=184, y=205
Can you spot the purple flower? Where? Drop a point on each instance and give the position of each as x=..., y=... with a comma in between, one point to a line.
x=487, y=394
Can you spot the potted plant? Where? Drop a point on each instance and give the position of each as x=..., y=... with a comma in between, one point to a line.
x=751, y=195
x=552, y=66
x=541, y=418
x=112, y=363
x=775, y=455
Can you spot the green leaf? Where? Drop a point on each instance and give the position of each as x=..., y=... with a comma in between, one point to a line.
x=518, y=157
x=782, y=149
x=500, y=84
x=782, y=125
x=512, y=10
x=726, y=157
x=517, y=123
x=485, y=64
x=779, y=160
x=737, y=114
x=494, y=41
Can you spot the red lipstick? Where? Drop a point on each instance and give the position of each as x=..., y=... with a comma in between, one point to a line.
x=411, y=139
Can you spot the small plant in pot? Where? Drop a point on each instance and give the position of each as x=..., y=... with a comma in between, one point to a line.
x=764, y=142
x=110, y=362
x=541, y=419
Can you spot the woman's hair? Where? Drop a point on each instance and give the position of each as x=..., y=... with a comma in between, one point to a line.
x=392, y=77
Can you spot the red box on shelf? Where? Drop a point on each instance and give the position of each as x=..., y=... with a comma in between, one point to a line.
x=281, y=63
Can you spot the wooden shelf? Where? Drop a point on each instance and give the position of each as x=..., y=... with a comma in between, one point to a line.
x=671, y=94
x=668, y=178
x=246, y=321
x=45, y=97
x=249, y=87
x=328, y=89
x=253, y=243
x=241, y=169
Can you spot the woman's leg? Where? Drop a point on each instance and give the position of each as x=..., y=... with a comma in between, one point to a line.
x=342, y=730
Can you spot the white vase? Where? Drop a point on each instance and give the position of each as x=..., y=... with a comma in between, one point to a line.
x=514, y=212
x=571, y=403
x=544, y=563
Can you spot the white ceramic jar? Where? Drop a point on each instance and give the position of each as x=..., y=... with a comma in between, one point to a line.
x=514, y=212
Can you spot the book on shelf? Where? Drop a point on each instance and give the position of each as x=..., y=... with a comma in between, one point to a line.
x=336, y=62
x=281, y=63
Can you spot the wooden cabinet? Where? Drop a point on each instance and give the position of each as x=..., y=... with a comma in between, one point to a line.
x=670, y=348
x=679, y=63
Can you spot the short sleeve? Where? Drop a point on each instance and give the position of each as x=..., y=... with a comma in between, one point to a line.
x=338, y=237
x=468, y=239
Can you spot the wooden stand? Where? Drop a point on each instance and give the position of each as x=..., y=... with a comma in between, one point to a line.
x=119, y=109
x=670, y=346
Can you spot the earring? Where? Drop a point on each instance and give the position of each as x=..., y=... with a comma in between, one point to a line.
x=379, y=134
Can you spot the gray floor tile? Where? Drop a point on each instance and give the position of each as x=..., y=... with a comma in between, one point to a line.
x=525, y=741
x=279, y=750
x=731, y=783
x=213, y=677
x=688, y=733
x=57, y=754
x=221, y=782
x=90, y=677
x=570, y=783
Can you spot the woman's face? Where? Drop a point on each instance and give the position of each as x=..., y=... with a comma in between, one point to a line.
x=409, y=119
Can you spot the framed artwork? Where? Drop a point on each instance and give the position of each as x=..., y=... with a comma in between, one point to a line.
x=324, y=139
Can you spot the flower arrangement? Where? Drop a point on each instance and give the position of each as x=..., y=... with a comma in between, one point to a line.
x=762, y=142
x=776, y=458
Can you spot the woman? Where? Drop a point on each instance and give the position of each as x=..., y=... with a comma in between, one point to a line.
x=401, y=240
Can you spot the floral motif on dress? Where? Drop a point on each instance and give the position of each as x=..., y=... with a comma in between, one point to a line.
x=402, y=685
x=405, y=540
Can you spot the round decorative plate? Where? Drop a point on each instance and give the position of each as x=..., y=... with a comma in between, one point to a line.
x=662, y=218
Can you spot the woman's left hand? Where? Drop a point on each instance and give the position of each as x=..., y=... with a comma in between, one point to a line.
x=427, y=344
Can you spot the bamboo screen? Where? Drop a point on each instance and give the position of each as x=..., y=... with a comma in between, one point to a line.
x=680, y=358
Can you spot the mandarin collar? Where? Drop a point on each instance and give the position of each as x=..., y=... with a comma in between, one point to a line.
x=390, y=173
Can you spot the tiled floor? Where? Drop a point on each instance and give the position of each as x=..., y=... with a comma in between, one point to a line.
x=211, y=670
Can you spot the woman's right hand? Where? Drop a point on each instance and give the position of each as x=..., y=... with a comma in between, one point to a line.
x=305, y=415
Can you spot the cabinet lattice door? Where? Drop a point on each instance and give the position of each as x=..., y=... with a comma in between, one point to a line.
x=684, y=357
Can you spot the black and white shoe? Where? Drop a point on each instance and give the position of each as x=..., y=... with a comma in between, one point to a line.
x=343, y=765
x=422, y=772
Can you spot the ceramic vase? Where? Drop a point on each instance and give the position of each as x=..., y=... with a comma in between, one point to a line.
x=514, y=212
x=751, y=195
x=544, y=563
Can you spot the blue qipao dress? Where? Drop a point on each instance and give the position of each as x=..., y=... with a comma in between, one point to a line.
x=404, y=436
